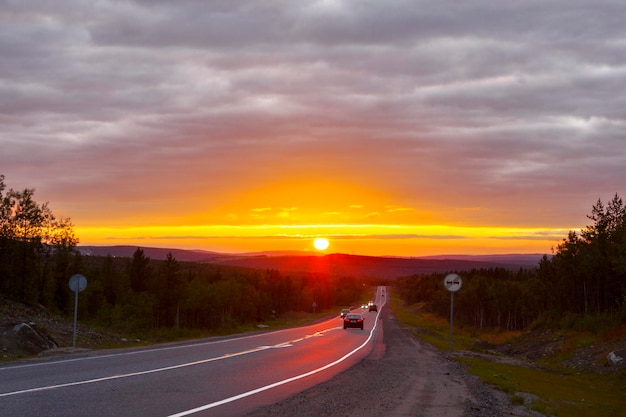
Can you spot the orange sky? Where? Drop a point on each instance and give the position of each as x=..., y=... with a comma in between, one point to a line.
x=289, y=214
x=254, y=126
x=359, y=217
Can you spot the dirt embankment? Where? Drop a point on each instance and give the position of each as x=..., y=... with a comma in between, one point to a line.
x=27, y=331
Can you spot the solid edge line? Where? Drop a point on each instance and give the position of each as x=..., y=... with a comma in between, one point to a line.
x=279, y=383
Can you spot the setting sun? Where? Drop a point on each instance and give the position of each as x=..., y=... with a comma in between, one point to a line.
x=320, y=243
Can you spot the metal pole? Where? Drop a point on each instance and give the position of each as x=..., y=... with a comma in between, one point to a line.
x=451, y=317
x=75, y=313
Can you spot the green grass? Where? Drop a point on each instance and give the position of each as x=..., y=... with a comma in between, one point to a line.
x=559, y=392
x=561, y=395
x=430, y=328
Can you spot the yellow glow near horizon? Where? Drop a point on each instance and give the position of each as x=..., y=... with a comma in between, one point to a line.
x=366, y=239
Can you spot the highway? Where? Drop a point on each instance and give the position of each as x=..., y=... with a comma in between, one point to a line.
x=225, y=376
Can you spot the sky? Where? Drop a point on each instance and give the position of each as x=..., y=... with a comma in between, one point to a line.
x=392, y=128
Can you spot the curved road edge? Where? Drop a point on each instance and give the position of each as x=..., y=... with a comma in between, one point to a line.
x=402, y=376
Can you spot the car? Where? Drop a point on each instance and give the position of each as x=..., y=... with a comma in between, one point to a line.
x=353, y=320
x=373, y=307
x=344, y=312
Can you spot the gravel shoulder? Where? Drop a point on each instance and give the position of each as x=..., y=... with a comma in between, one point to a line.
x=401, y=377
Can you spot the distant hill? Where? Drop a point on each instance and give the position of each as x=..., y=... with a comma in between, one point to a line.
x=522, y=259
x=182, y=255
x=335, y=264
x=369, y=266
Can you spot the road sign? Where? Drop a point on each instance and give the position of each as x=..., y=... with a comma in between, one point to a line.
x=452, y=282
x=78, y=282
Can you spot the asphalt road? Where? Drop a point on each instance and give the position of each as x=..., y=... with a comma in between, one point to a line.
x=209, y=377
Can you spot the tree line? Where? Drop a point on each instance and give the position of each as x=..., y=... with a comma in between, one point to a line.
x=585, y=276
x=140, y=293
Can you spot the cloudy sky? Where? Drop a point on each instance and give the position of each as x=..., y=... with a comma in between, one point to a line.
x=392, y=127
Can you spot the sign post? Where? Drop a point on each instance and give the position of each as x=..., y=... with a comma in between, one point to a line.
x=453, y=283
x=77, y=284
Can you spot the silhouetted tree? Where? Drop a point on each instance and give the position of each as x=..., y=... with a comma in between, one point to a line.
x=168, y=290
x=587, y=272
x=31, y=240
x=140, y=271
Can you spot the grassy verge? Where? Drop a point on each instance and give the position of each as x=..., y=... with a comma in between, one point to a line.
x=554, y=393
x=553, y=390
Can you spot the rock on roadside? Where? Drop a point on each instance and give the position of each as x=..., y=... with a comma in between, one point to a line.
x=617, y=358
x=23, y=337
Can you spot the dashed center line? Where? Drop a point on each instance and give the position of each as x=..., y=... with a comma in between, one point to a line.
x=166, y=368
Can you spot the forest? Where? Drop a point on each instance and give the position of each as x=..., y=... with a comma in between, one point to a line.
x=142, y=293
x=585, y=276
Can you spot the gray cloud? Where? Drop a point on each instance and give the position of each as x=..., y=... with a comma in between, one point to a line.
x=515, y=107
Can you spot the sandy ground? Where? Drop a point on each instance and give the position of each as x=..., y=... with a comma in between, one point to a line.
x=401, y=377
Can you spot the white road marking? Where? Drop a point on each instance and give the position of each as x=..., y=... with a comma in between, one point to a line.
x=128, y=375
x=279, y=383
x=167, y=368
x=137, y=352
x=225, y=356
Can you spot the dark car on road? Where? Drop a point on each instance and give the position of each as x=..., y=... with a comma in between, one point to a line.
x=344, y=313
x=353, y=320
x=373, y=307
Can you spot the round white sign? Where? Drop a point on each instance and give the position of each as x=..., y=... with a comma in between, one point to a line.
x=452, y=282
x=78, y=283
